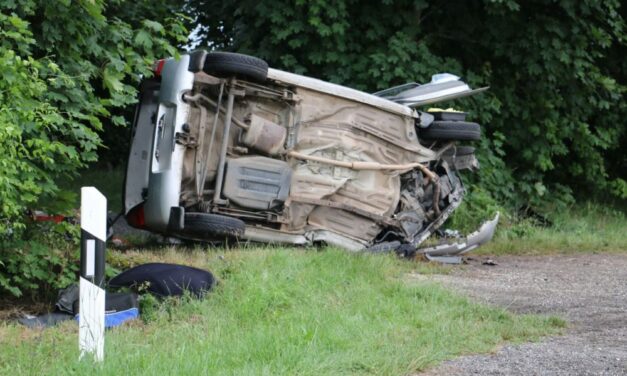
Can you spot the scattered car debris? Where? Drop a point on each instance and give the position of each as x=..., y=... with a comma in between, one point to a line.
x=451, y=253
x=120, y=307
x=156, y=278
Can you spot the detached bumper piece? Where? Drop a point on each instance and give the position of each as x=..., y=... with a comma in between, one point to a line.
x=451, y=253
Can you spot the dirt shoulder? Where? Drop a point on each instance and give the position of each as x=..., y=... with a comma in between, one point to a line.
x=588, y=290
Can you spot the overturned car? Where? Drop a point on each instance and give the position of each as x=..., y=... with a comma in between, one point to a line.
x=224, y=146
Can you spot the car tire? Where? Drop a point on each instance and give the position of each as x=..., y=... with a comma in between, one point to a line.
x=204, y=225
x=451, y=131
x=228, y=64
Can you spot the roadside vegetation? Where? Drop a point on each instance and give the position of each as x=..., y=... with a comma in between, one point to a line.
x=586, y=226
x=297, y=310
x=284, y=311
x=552, y=161
x=108, y=180
x=552, y=120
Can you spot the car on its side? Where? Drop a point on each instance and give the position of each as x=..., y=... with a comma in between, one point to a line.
x=224, y=146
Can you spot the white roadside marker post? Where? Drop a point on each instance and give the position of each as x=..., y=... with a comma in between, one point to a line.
x=91, y=326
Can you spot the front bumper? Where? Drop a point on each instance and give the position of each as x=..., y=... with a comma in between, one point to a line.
x=452, y=252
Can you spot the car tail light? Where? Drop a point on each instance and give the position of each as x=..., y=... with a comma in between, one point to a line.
x=135, y=216
x=157, y=67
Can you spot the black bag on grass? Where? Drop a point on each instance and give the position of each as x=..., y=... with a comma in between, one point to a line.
x=119, y=308
x=166, y=279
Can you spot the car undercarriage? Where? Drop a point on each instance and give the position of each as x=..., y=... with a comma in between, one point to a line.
x=245, y=151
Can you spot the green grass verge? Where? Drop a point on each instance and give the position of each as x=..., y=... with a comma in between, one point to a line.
x=285, y=311
x=586, y=228
x=582, y=227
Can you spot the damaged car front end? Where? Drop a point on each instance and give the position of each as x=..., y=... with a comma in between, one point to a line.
x=224, y=146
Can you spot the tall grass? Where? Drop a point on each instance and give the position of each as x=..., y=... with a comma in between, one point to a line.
x=587, y=227
x=285, y=312
x=582, y=227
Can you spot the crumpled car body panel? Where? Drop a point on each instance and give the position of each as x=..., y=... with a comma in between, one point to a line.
x=461, y=246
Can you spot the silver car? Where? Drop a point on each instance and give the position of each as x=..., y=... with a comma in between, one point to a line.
x=224, y=146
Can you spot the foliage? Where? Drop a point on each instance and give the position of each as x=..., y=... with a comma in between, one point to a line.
x=554, y=117
x=478, y=206
x=69, y=68
x=44, y=264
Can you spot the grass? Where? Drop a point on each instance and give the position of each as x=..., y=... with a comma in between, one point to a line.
x=302, y=311
x=586, y=228
x=284, y=311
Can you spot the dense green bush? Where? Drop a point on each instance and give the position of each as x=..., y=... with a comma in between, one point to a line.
x=554, y=115
x=69, y=69
x=43, y=264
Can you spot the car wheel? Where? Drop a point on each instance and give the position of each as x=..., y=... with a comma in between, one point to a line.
x=451, y=130
x=227, y=64
x=203, y=225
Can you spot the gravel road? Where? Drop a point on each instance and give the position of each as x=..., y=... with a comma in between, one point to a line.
x=588, y=290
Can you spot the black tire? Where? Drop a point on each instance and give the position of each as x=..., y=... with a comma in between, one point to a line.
x=459, y=151
x=228, y=64
x=451, y=130
x=205, y=225
x=449, y=116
